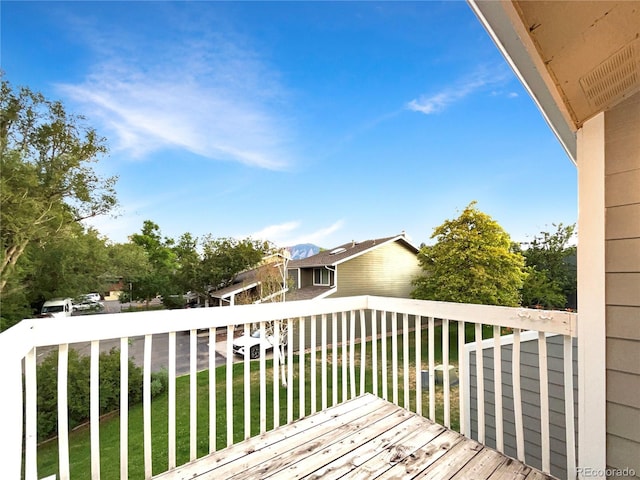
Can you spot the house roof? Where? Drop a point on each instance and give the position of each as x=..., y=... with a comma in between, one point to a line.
x=348, y=251
x=309, y=293
x=243, y=281
x=576, y=59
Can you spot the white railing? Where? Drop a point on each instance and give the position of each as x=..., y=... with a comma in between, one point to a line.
x=340, y=348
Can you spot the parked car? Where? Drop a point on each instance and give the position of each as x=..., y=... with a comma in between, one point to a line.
x=87, y=305
x=57, y=307
x=94, y=297
x=252, y=342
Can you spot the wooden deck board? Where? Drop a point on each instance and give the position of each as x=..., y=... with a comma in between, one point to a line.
x=364, y=438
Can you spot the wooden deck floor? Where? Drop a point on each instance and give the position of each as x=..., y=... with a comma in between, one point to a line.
x=364, y=438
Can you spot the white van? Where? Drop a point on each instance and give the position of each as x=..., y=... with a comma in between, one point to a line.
x=57, y=307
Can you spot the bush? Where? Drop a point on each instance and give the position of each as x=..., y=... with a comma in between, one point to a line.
x=159, y=382
x=78, y=385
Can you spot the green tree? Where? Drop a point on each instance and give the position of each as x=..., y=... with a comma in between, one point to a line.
x=188, y=276
x=68, y=266
x=47, y=182
x=158, y=280
x=471, y=262
x=551, y=260
x=129, y=264
x=224, y=258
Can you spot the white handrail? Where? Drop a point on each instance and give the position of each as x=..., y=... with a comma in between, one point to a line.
x=347, y=335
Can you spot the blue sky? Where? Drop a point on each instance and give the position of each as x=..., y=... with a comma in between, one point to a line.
x=295, y=122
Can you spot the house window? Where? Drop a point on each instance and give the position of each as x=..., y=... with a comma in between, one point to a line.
x=320, y=276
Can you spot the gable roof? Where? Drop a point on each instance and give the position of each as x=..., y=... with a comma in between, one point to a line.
x=244, y=281
x=348, y=251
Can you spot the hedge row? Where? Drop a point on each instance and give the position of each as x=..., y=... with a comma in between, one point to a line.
x=78, y=392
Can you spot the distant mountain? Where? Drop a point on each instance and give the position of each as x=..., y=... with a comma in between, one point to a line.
x=303, y=250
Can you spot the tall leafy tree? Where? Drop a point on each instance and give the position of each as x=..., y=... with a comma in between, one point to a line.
x=224, y=258
x=128, y=263
x=188, y=275
x=472, y=261
x=162, y=262
x=551, y=260
x=47, y=180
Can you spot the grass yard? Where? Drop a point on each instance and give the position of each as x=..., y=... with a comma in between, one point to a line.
x=80, y=460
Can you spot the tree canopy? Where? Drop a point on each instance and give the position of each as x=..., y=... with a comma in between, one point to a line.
x=551, y=261
x=472, y=261
x=47, y=181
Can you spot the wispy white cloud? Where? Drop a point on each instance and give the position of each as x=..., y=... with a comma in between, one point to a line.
x=286, y=234
x=208, y=96
x=439, y=101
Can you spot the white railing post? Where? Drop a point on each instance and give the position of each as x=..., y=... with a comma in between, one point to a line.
x=31, y=414
x=247, y=384
x=374, y=350
x=212, y=390
x=445, y=373
x=94, y=400
x=301, y=374
x=334, y=358
x=289, y=370
x=124, y=408
x=480, y=382
x=323, y=360
x=418, y=339
x=313, y=347
x=432, y=372
x=263, y=378
x=63, y=411
x=276, y=373
x=193, y=394
x=383, y=338
x=146, y=407
x=394, y=357
x=463, y=382
x=171, y=427
x=363, y=351
x=229, y=385
x=497, y=382
x=405, y=360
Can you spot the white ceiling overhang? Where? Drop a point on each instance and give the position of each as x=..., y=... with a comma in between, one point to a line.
x=576, y=59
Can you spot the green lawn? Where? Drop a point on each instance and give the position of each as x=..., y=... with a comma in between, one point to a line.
x=110, y=427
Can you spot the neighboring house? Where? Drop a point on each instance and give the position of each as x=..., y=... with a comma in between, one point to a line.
x=383, y=266
x=581, y=63
x=256, y=285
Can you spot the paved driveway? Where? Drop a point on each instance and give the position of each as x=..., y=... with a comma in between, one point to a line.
x=159, y=350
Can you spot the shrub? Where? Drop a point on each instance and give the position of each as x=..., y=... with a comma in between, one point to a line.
x=159, y=382
x=78, y=385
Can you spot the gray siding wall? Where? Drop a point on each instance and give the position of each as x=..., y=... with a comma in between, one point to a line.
x=530, y=384
x=622, y=263
x=386, y=271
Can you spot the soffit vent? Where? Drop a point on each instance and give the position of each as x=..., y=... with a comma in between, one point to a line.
x=613, y=78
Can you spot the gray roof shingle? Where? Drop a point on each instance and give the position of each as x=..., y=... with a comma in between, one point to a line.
x=346, y=251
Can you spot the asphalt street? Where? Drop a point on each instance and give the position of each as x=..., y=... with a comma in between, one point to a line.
x=159, y=349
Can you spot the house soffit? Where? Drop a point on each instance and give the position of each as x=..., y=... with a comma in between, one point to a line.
x=576, y=58
x=591, y=50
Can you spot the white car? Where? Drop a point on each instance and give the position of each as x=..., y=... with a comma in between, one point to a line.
x=88, y=305
x=252, y=342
